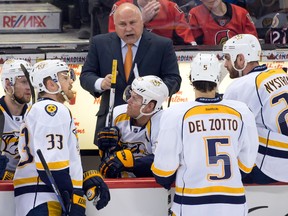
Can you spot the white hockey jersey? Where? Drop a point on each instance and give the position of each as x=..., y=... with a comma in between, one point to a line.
x=265, y=91
x=205, y=143
x=10, y=137
x=50, y=127
x=140, y=140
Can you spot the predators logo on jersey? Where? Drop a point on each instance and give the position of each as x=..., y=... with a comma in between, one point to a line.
x=10, y=143
x=51, y=109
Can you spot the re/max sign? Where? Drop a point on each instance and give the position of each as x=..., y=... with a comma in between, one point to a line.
x=24, y=21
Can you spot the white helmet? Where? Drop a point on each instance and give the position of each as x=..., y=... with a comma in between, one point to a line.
x=44, y=69
x=11, y=69
x=245, y=44
x=205, y=67
x=150, y=88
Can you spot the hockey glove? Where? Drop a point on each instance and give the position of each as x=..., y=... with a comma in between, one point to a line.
x=3, y=163
x=94, y=187
x=8, y=175
x=113, y=165
x=108, y=139
x=75, y=206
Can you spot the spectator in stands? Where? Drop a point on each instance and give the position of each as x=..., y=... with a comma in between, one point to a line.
x=187, y=5
x=85, y=29
x=100, y=11
x=214, y=22
x=161, y=17
x=94, y=16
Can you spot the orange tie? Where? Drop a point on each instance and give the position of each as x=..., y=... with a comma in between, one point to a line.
x=128, y=61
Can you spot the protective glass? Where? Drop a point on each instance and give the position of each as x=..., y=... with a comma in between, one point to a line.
x=130, y=94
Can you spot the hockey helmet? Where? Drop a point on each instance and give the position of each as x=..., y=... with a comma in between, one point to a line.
x=44, y=69
x=245, y=44
x=205, y=67
x=150, y=88
x=11, y=69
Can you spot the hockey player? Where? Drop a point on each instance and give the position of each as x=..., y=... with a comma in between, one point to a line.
x=204, y=144
x=265, y=92
x=137, y=123
x=50, y=127
x=214, y=22
x=161, y=17
x=13, y=105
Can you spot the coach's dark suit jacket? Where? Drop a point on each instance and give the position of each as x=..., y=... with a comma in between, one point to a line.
x=155, y=56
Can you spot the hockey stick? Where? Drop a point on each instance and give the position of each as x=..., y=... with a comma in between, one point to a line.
x=169, y=202
x=109, y=118
x=112, y=94
x=2, y=122
x=51, y=180
x=26, y=73
x=169, y=197
x=136, y=72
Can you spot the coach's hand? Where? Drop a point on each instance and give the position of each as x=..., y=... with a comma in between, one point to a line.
x=113, y=165
x=108, y=139
x=94, y=187
x=3, y=163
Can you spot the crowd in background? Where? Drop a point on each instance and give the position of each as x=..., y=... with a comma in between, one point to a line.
x=92, y=16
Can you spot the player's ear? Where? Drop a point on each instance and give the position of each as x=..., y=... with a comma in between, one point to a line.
x=241, y=57
x=8, y=86
x=51, y=85
x=150, y=106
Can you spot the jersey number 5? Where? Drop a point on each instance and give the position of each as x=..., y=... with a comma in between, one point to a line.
x=216, y=158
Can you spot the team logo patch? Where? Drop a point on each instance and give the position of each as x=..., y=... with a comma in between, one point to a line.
x=156, y=82
x=51, y=109
x=221, y=37
x=41, y=65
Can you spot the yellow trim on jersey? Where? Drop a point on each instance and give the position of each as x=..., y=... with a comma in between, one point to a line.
x=273, y=143
x=54, y=208
x=122, y=117
x=2, y=108
x=26, y=181
x=161, y=173
x=212, y=189
x=244, y=168
x=264, y=75
x=148, y=126
x=53, y=165
x=77, y=183
x=211, y=109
